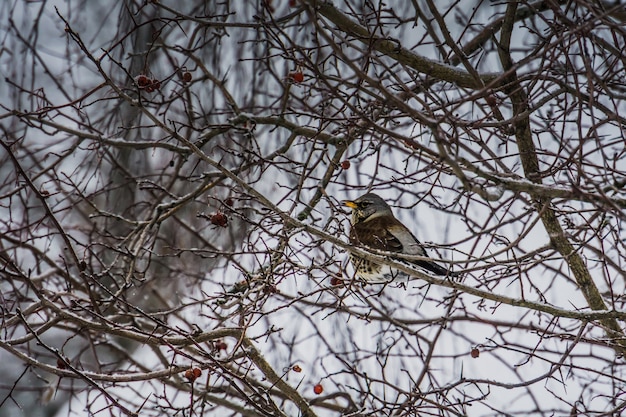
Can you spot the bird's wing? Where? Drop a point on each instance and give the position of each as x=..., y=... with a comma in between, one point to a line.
x=414, y=247
x=384, y=234
x=405, y=239
x=392, y=236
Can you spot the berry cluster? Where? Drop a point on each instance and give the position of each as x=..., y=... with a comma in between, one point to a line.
x=147, y=84
x=193, y=374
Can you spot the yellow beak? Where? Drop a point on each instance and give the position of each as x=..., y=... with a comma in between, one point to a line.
x=349, y=203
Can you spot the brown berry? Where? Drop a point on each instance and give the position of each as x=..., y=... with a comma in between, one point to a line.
x=296, y=76
x=142, y=81
x=336, y=280
x=318, y=389
x=345, y=164
x=196, y=372
x=475, y=353
x=219, y=219
x=149, y=89
x=293, y=3
x=189, y=375
x=61, y=364
x=296, y=368
x=187, y=77
x=229, y=202
x=156, y=84
x=221, y=345
x=490, y=97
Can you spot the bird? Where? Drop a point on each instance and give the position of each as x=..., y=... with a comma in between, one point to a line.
x=374, y=226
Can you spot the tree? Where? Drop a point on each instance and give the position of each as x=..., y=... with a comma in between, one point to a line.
x=172, y=237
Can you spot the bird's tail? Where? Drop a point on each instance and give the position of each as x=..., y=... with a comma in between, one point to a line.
x=438, y=269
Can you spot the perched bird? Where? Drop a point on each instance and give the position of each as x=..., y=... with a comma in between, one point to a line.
x=375, y=226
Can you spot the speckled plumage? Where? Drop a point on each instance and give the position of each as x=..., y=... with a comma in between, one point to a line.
x=375, y=226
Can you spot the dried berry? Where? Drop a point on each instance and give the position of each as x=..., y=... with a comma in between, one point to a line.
x=221, y=345
x=475, y=353
x=296, y=368
x=219, y=219
x=187, y=77
x=229, y=202
x=189, y=375
x=491, y=98
x=142, y=81
x=296, y=76
x=336, y=280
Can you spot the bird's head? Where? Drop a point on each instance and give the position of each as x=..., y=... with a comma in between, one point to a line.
x=367, y=207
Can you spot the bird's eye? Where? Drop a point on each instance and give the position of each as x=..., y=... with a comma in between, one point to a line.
x=364, y=204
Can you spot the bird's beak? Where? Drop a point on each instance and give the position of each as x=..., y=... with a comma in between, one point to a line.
x=349, y=203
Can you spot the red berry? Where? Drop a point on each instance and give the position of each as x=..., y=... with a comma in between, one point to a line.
x=318, y=389
x=293, y=3
x=187, y=77
x=156, y=84
x=220, y=345
x=61, y=364
x=219, y=219
x=149, y=89
x=229, y=202
x=336, y=280
x=296, y=76
x=475, y=353
x=345, y=164
x=196, y=372
x=142, y=81
x=296, y=368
